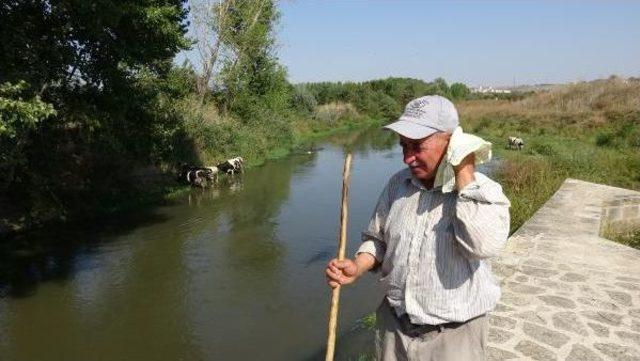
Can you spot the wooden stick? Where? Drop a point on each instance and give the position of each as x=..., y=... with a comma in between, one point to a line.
x=342, y=245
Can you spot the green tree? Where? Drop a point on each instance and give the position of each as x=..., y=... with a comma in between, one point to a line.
x=303, y=100
x=439, y=86
x=97, y=44
x=211, y=27
x=105, y=66
x=458, y=91
x=252, y=78
x=383, y=98
x=18, y=117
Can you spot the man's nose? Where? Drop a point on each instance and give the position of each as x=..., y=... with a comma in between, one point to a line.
x=409, y=157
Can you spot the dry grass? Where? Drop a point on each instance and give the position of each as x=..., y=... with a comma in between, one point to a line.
x=588, y=131
x=333, y=112
x=589, y=104
x=207, y=113
x=629, y=236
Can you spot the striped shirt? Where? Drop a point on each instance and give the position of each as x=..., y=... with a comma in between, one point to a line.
x=433, y=247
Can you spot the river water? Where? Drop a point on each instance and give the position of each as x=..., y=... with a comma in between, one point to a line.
x=230, y=273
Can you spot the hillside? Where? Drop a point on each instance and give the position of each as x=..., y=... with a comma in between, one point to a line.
x=588, y=131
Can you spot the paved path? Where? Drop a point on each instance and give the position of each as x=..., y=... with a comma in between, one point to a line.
x=568, y=294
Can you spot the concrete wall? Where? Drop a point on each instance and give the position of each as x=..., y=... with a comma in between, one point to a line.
x=620, y=214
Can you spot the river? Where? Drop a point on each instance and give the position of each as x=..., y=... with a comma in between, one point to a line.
x=229, y=273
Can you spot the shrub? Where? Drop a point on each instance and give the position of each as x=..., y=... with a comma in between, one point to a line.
x=629, y=236
x=303, y=100
x=528, y=183
x=543, y=147
x=605, y=138
x=333, y=112
x=483, y=124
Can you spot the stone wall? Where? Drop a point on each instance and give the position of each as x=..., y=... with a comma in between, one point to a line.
x=620, y=214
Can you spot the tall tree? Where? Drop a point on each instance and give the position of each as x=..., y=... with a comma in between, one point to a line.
x=251, y=74
x=90, y=43
x=210, y=27
x=459, y=91
x=103, y=65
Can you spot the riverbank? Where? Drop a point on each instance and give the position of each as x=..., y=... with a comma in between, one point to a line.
x=158, y=184
x=588, y=131
x=249, y=255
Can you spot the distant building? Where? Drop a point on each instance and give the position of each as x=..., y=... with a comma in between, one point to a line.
x=490, y=90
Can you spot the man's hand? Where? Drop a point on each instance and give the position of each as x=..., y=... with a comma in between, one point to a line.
x=347, y=271
x=341, y=272
x=464, y=171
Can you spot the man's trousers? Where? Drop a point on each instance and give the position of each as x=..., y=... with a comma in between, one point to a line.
x=399, y=340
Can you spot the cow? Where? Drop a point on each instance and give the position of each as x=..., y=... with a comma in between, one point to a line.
x=515, y=143
x=231, y=166
x=199, y=176
x=212, y=173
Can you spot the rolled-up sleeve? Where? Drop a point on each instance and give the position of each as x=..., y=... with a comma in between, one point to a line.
x=373, y=236
x=481, y=224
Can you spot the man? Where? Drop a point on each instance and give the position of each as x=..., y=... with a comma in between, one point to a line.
x=431, y=247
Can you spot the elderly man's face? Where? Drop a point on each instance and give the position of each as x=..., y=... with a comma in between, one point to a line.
x=424, y=155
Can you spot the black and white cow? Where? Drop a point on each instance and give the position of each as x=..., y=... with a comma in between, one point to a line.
x=199, y=176
x=515, y=143
x=212, y=173
x=231, y=166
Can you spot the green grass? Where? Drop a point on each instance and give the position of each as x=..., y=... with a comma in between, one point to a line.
x=552, y=154
x=214, y=137
x=318, y=132
x=629, y=236
x=367, y=322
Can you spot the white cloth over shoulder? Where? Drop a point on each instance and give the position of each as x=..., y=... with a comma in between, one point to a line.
x=460, y=145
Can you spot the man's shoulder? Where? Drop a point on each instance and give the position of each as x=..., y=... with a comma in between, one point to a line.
x=397, y=181
x=488, y=185
x=400, y=176
x=483, y=179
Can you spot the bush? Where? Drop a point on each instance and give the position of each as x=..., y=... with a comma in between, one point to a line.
x=605, y=138
x=629, y=236
x=543, y=147
x=332, y=113
x=483, y=124
x=303, y=100
x=528, y=183
x=459, y=91
x=383, y=98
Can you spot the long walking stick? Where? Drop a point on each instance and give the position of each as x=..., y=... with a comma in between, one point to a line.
x=335, y=296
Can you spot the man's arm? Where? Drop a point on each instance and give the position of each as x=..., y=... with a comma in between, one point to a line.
x=464, y=172
x=370, y=253
x=482, y=213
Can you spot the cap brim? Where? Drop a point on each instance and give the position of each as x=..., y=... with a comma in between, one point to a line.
x=410, y=130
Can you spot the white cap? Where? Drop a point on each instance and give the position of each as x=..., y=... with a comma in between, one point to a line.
x=426, y=115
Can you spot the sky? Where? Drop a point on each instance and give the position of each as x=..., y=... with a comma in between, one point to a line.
x=479, y=43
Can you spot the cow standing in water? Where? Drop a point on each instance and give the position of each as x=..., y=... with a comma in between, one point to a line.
x=232, y=166
x=199, y=176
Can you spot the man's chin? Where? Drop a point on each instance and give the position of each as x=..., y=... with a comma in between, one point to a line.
x=419, y=173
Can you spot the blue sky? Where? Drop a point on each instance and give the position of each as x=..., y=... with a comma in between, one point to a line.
x=475, y=42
